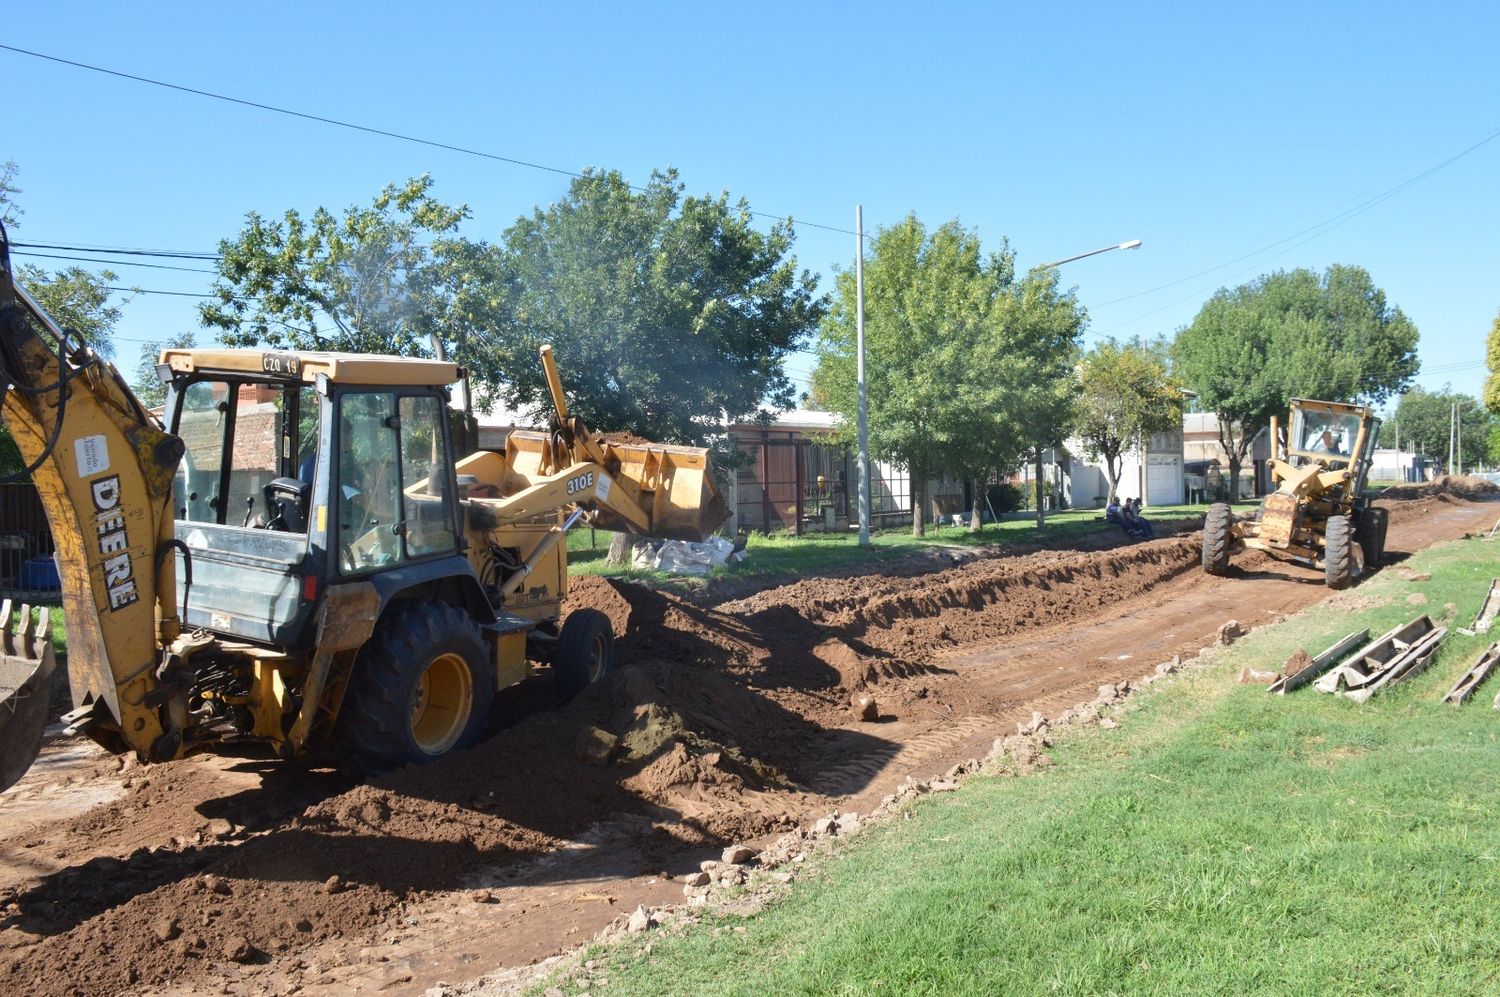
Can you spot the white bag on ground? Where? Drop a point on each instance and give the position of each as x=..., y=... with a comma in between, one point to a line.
x=681, y=557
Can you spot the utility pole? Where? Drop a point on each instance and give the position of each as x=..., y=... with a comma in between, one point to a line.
x=859, y=367
x=1452, y=418
x=1458, y=431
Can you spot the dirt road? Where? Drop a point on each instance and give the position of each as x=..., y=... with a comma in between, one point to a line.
x=733, y=722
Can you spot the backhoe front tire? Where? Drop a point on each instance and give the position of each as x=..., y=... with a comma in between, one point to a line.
x=585, y=652
x=1343, y=563
x=1217, y=537
x=421, y=687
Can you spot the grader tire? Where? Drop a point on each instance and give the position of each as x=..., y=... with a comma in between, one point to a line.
x=1217, y=539
x=1341, y=563
x=421, y=687
x=585, y=652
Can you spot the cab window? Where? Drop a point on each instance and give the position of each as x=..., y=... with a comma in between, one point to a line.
x=393, y=474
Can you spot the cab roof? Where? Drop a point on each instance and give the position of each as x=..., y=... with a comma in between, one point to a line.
x=1360, y=410
x=305, y=366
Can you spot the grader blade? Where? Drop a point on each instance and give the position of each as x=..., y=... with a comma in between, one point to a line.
x=26, y=664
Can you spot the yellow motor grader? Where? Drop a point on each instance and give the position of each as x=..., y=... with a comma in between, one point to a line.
x=293, y=556
x=1319, y=514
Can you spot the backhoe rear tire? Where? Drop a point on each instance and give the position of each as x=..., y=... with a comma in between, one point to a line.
x=1217, y=538
x=585, y=652
x=1342, y=562
x=421, y=687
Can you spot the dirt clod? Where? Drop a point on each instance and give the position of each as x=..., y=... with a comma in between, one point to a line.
x=237, y=948
x=1230, y=632
x=737, y=855
x=1298, y=661
x=594, y=746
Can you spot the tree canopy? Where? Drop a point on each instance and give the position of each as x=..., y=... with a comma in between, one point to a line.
x=1425, y=420
x=1292, y=334
x=667, y=313
x=368, y=281
x=1492, y=361
x=958, y=353
x=1125, y=394
x=147, y=386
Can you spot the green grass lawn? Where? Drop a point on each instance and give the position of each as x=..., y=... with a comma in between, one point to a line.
x=1221, y=841
x=778, y=554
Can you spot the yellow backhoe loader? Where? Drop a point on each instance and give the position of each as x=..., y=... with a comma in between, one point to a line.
x=292, y=556
x=1319, y=514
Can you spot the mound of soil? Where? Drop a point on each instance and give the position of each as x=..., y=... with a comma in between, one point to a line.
x=911, y=618
x=1465, y=487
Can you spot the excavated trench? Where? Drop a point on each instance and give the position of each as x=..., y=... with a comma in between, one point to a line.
x=721, y=724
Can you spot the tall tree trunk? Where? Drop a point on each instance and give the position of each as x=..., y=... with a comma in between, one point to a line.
x=622, y=548
x=918, y=494
x=1234, y=477
x=1041, y=503
x=1112, y=477
x=976, y=513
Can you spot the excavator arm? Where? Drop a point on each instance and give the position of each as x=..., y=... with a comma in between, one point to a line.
x=103, y=467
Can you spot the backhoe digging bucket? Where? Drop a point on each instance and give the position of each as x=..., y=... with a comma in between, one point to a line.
x=26, y=664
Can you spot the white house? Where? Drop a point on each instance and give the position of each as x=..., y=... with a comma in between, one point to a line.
x=1158, y=479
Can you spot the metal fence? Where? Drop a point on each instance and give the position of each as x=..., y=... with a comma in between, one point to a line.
x=26, y=566
x=789, y=482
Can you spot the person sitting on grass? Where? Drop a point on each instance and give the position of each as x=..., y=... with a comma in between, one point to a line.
x=1115, y=513
x=1141, y=525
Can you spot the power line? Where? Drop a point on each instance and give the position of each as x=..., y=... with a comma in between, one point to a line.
x=114, y=263
x=1319, y=229
x=167, y=253
x=352, y=126
x=147, y=290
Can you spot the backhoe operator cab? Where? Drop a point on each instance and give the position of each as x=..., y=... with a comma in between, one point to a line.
x=305, y=470
x=1319, y=514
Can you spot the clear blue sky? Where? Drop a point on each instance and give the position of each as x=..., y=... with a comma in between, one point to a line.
x=1208, y=133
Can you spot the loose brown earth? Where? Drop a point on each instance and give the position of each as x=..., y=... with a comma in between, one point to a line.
x=733, y=722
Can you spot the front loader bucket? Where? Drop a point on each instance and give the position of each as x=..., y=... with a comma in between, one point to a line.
x=26, y=664
x=673, y=487
x=685, y=501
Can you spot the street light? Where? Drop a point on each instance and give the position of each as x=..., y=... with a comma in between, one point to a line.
x=1132, y=244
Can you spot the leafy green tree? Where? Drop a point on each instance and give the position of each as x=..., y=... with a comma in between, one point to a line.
x=81, y=302
x=1426, y=420
x=1492, y=359
x=1292, y=334
x=10, y=211
x=148, y=387
x=957, y=354
x=1045, y=397
x=1125, y=394
x=369, y=281
x=667, y=314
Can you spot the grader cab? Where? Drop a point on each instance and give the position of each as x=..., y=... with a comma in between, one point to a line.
x=1319, y=514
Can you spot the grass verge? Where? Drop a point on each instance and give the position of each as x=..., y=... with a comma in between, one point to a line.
x=1221, y=841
